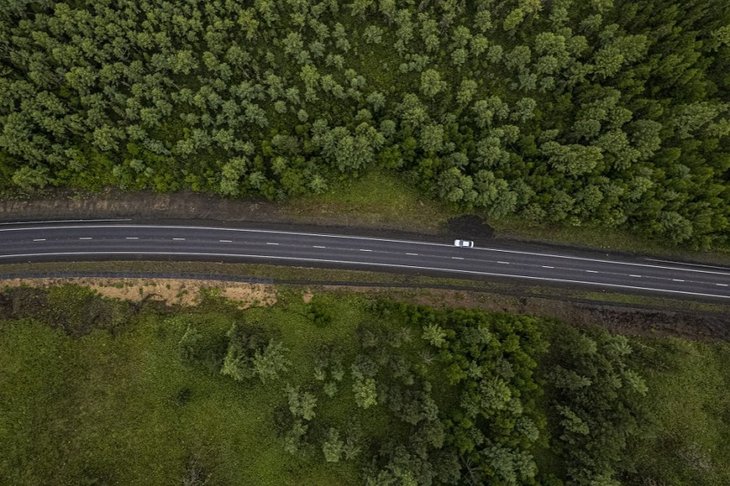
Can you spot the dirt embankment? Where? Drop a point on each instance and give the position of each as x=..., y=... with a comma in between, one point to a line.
x=141, y=204
x=169, y=291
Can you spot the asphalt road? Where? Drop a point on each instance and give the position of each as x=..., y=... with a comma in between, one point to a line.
x=69, y=241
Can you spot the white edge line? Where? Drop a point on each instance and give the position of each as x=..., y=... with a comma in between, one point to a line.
x=546, y=266
x=457, y=258
x=366, y=264
x=414, y=254
x=688, y=264
x=131, y=238
x=591, y=271
x=635, y=276
x=318, y=246
x=178, y=239
x=721, y=285
x=8, y=223
x=39, y=239
x=86, y=238
x=368, y=238
x=225, y=241
x=272, y=243
x=598, y=260
x=365, y=249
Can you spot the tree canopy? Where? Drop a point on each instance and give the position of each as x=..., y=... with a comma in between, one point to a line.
x=611, y=113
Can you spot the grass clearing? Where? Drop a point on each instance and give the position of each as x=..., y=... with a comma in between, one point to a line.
x=690, y=443
x=108, y=408
x=375, y=199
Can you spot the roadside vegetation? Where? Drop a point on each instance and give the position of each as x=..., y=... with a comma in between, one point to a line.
x=634, y=314
x=381, y=199
x=346, y=389
x=609, y=113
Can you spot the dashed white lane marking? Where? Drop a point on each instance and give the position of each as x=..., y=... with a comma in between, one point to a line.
x=132, y=238
x=178, y=239
x=39, y=239
x=456, y=258
x=547, y=266
x=412, y=254
x=677, y=280
x=591, y=271
x=318, y=246
x=364, y=249
x=207, y=228
x=85, y=238
x=721, y=285
x=225, y=241
x=272, y=243
x=504, y=263
x=635, y=276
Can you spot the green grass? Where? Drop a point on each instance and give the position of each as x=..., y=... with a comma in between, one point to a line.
x=690, y=404
x=375, y=199
x=104, y=408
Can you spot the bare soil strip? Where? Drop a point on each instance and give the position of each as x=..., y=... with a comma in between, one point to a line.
x=170, y=291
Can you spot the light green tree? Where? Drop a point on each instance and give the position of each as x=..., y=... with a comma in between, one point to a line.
x=333, y=446
x=431, y=83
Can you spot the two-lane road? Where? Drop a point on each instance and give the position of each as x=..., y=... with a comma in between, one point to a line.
x=108, y=240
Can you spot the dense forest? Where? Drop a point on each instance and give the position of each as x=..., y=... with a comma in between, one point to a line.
x=600, y=112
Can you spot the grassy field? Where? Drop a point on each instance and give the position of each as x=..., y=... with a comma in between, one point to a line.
x=690, y=408
x=109, y=408
x=377, y=198
x=116, y=404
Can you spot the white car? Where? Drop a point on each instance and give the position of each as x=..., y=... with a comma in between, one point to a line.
x=464, y=243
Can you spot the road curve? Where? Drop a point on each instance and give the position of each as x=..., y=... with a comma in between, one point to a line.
x=58, y=241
